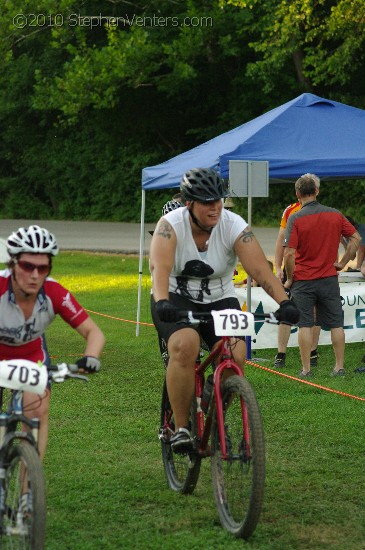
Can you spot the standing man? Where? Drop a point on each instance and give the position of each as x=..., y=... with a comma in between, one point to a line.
x=311, y=243
x=284, y=330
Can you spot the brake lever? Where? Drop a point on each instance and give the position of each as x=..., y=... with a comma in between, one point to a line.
x=78, y=376
x=272, y=320
x=192, y=319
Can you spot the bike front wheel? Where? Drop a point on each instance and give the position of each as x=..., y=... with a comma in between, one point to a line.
x=182, y=470
x=24, y=511
x=239, y=478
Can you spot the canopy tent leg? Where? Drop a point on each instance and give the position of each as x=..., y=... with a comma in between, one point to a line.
x=140, y=265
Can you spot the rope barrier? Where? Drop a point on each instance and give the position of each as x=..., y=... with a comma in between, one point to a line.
x=304, y=381
x=119, y=319
x=318, y=386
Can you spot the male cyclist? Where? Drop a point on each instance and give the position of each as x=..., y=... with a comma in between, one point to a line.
x=29, y=301
x=193, y=254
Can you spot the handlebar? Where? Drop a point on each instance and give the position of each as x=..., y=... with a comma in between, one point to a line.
x=195, y=317
x=59, y=373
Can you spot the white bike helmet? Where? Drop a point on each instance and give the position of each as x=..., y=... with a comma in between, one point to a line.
x=32, y=239
x=170, y=206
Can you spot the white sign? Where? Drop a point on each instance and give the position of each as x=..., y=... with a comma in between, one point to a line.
x=232, y=322
x=249, y=178
x=20, y=374
x=266, y=334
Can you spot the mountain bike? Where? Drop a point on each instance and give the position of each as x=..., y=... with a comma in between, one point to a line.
x=230, y=432
x=22, y=484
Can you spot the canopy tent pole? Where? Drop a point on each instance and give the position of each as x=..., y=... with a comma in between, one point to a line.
x=141, y=247
x=249, y=280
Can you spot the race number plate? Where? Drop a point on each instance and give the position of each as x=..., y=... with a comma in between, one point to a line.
x=20, y=374
x=232, y=322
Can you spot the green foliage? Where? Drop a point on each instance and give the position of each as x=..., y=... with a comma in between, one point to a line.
x=322, y=42
x=91, y=94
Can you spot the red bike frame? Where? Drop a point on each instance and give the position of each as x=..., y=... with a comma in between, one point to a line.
x=204, y=428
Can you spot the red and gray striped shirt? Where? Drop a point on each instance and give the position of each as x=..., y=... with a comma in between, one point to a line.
x=315, y=232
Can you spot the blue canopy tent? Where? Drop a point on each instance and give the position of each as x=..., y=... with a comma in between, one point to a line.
x=307, y=134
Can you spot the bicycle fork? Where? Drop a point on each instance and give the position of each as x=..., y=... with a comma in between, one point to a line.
x=227, y=363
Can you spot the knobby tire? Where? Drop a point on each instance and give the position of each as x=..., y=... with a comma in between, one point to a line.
x=239, y=480
x=181, y=470
x=24, y=530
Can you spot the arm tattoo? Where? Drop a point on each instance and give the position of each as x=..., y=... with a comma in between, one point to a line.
x=164, y=229
x=246, y=236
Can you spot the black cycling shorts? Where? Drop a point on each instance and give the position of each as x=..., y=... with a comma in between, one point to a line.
x=205, y=330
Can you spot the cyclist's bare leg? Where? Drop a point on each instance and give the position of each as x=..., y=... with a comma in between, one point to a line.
x=183, y=346
x=38, y=407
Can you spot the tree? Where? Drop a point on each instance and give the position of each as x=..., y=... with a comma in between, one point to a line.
x=92, y=93
x=322, y=41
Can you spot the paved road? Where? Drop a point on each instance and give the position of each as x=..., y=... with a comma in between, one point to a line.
x=118, y=237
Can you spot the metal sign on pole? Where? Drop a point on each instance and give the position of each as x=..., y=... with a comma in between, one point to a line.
x=249, y=178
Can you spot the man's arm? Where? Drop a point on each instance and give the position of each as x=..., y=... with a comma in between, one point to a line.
x=350, y=252
x=279, y=254
x=93, y=336
x=289, y=260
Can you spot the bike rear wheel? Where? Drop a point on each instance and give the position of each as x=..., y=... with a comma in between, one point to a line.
x=182, y=470
x=239, y=480
x=24, y=517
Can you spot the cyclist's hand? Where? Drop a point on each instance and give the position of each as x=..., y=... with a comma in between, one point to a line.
x=167, y=311
x=88, y=363
x=288, y=313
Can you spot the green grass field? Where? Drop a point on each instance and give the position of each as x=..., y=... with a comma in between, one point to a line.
x=105, y=482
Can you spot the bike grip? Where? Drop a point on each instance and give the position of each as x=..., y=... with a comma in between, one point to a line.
x=73, y=368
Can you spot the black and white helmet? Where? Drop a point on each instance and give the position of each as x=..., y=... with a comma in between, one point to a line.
x=32, y=239
x=170, y=206
x=203, y=185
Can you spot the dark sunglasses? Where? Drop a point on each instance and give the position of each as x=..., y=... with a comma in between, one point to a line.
x=28, y=267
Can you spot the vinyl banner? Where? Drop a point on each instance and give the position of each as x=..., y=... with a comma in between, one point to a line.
x=353, y=304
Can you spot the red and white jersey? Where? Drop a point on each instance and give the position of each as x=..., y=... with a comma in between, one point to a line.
x=22, y=338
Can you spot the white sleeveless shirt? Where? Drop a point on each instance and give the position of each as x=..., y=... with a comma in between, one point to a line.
x=204, y=278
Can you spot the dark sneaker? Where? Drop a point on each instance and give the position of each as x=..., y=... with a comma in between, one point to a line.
x=314, y=358
x=361, y=370
x=26, y=504
x=339, y=372
x=279, y=361
x=303, y=374
x=181, y=441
